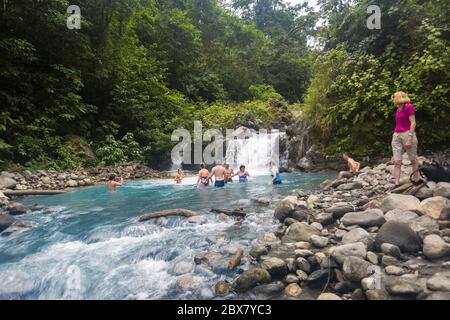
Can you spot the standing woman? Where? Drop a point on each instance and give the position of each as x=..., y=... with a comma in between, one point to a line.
x=404, y=138
x=275, y=174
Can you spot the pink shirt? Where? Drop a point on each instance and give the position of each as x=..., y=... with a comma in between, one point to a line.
x=402, y=115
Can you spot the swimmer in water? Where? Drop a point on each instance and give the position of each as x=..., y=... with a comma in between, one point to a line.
x=219, y=172
x=203, y=176
x=229, y=173
x=275, y=173
x=179, y=176
x=113, y=184
x=243, y=174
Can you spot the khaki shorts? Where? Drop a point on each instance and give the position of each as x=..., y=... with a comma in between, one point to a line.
x=398, y=141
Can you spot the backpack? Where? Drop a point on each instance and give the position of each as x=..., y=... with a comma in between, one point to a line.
x=435, y=171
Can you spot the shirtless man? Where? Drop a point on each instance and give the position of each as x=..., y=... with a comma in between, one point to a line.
x=229, y=173
x=203, y=176
x=113, y=184
x=179, y=176
x=219, y=172
x=352, y=165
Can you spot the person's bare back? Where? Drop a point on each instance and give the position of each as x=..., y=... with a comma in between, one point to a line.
x=219, y=172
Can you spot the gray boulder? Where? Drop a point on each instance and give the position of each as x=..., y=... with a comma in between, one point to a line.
x=355, y=269
x=434, y=247
x=368, y=218
x=285, y=207
x=401, y=216
x=7, y=182
x=442, y=190
x=439, y=282
x=403, y=285
x=16, y=209
x=299, y=231
x=424, y=226
x=399, y=234
x=358, y=235
x=399, y=201
x=341, y=252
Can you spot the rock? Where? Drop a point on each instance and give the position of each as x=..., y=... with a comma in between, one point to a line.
x=355, y=269
x=301, y=275
x=258, y=250
x=285, y=207
x=425, y=192
x=317, y=278
x=318, y=241
x=391, y=249
x=183, y=267
x=303, y=264
x=389, y=261
x=328, y=296
x=339, y=211
x=317, y=225
x=442, y=190
x=263, y=201
x=275, y=266
x=303, y=253
x=289, y=221
x=377, y=294
x=324, y=218
x=6, y=221
x=368, y=218
x=290, y=278
x=208, y=257
x=370, y=283
x=16, y=209
x=302, y=245
x=293, y=290
x=358, y=294
x=251, y=278
x=433, y=207
x=299, y=231
x=268, y=290
x=372, y=257
x=349, y=186
x=72, y=183
x=196, y=219
x=357, y=249
x=46, y=180
x=187, y=282
x=403, y=285
x=358, y=235
x=439, y=282
x=424, y=226
x=269, y=238
x=434, y=247
x=394, y=270
x=399, y=201
x=339, y=234
x=401, y=216
x=7, y=182
x=399, y=234
x=441, y=296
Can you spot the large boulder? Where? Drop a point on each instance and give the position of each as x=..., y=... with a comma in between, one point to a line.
x=355, y=269
x=341, y=252
x=368, y=218
x=401, y=216
x=299, y=231
x=399, y=234
x=358, y=235
x=433, y=207
x=16, y=209
x=6, y=221
x=434, y=247
x=285, y=207
x=424, y=226
x=250, y=279
x=403, y=285
x=439, y=282
x=442, y=190
x=6, y=182
x=399, y=201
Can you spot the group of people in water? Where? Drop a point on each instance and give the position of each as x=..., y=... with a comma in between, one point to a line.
x=403, y=139
x=224, y=174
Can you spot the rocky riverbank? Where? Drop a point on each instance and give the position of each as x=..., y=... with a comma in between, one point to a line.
x=354, y=240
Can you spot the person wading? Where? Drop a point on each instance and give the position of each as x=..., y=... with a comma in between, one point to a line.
x=219, y=172
x=113, y=184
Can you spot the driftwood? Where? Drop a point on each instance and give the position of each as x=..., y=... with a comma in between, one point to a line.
x=236, y=259
x=32, y=192
x=164, y=213
x=235, y=212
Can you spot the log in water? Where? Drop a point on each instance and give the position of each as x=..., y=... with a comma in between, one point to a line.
x=32, y=192
x=165, y=213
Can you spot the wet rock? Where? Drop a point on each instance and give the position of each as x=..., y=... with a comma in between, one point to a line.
x=433, y=207
x=391, y=249
x=293, y=290
x=355, y=269
x=6, y=221
x=258, y=250
x=368, y=218
x=291, y=265
x=208, y=257
x=318, y=278
x=401, y=216
x=303, y=264
x=377, y=294
x=161, y=221
x=285, y=207
x=439, y=282
x=183, y=267
x=275, y=266
x=37, y=207
x=270, y=238
x=341, y=252
x=187, y=282
x=399, y=201
x=424, y=226
x=263, y=201
x=434, y=247
x=358, y=235
x=318, y=241
x=251, y=278
x=399, y=234
x=290, y=278
x=299, y=231
x=301, y=275
x=328, y=296
x=222, y=288
x=16, y=209
x=268, y=290
x=196, y=219
x=23, y=224
x=442, y=190
x=403, y=285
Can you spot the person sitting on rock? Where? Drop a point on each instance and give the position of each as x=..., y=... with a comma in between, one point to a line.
x=179, y=176
x=352, y=165
x=113, y=183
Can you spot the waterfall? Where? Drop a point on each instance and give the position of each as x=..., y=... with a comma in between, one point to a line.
x=254, y=152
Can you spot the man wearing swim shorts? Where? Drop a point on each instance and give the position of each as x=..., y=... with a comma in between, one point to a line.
x=219, y=172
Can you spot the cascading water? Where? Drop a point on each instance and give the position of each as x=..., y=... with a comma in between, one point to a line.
x=254, y=152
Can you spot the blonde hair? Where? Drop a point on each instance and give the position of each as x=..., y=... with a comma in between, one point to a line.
x=400, y=98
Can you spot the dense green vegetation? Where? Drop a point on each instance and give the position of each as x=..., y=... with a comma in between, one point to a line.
x=115, y=90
